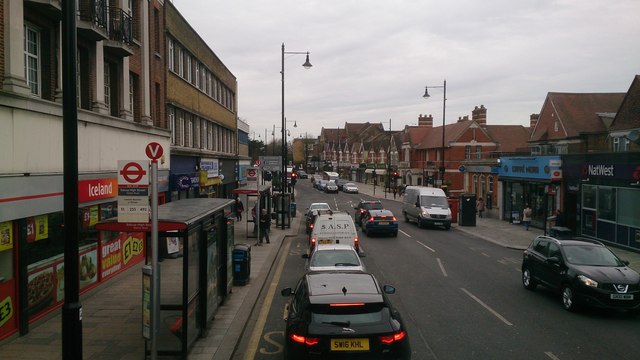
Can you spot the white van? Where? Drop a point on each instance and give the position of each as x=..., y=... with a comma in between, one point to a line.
x=335, y=228
x=426, y=206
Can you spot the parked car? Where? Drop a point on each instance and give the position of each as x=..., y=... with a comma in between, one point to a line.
x=327, y=257
x=341, y=182
x=583, y=271
x=426, y=206
x=350, y=188
x=303, y=174
x=380, y=222
x=362, y=208
x=331, y=187
x=343, y=314
x=334, y=228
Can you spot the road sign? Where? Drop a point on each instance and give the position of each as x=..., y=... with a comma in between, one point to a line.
x=258, y=162
x=271, y=163
x=154, y=151
x=251, y=173
x=133, y=191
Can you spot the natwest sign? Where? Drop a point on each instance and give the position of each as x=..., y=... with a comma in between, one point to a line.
x=599, y=170
x=96, y=189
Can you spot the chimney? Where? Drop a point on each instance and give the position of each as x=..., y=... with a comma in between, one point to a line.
x=479, y=115
x=424, y=120
x=533, y=120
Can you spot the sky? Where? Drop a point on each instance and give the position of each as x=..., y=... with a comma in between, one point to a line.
x=372, y=59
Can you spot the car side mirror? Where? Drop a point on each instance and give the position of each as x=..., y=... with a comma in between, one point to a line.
x=286, y=292
x=388, y=289
x=554, y=260
x=625, y=262
x=361, y=254
x=305, y=256
x=417, y=203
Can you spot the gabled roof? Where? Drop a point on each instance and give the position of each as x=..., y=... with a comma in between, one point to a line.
x=509, y=138
x=415, y=134
x=576, y=113
x=628, y=116
x=452, y=132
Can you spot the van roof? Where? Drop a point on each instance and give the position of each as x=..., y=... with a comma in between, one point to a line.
x=426, y=190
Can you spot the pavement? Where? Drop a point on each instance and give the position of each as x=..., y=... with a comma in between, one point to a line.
x=112, y=312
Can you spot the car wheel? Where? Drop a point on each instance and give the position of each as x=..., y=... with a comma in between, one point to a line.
x=568, y=298
x=420, y=223
x=527, y=279
x=447, y=227
x=395, y=234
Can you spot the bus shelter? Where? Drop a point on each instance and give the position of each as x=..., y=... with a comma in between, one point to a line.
x=259, y=197
x=196, y=241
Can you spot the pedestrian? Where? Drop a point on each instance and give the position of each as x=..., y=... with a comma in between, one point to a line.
x=265, y=226
x=239, y=209
x=559, y=218
x=526, y=216
x=480, y=207
x=395, y=191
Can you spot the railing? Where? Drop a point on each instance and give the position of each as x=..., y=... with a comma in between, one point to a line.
x=120, y=25
x=94, y=11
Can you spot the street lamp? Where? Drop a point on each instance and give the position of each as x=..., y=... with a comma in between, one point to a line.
x=444, y=107
x=306, y=65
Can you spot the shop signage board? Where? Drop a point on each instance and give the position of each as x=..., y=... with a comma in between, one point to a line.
x=133, y=191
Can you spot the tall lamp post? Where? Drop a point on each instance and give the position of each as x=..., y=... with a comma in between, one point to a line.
x=306, y=65
x=444, y=108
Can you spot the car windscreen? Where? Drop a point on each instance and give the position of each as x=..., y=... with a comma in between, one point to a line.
x=591, y=255
x=320, y=207
x=345, y=315
x=434, y=201
x=372, y=206
x=334, y=258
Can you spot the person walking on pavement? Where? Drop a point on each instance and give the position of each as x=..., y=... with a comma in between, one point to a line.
x=239, y=209
x=265, y=226
x=559, y=218
x=480, y=207
x=526, y=217
x=395, y=191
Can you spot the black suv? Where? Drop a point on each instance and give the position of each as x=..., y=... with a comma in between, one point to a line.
x=345, y=315
x=584, y=271
x=363, y=206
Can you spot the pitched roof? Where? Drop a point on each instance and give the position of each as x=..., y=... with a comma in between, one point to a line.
x=415, y=134
x=452, y=132
x=628, y=116
x=576, y=112
x=509, y=138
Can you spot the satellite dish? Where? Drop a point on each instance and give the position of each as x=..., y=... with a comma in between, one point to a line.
x=634, y=136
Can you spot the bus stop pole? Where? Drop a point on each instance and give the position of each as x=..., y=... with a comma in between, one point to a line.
x=155, y=275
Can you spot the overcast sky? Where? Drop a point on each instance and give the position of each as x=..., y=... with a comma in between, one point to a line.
x=372, y=59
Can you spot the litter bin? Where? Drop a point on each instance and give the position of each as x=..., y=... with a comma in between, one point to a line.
x=241, y=264
x=453, y=205
x=293, y=209
x=467, y=209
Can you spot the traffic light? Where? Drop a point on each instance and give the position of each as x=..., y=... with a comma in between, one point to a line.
x=395, y=175
x=294, y=178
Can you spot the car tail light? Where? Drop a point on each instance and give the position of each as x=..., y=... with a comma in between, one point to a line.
x=394, y=218
x=371, y=219
x=305, y=340
x=391, y=338
x=311, y=226
x=362, y=211
x=346, y=304
x=313, y=241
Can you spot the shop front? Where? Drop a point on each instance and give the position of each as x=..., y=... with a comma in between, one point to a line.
x=603, y=197
x=210, y=178
x=32, y=246
x=533, y=181
x=184, y=179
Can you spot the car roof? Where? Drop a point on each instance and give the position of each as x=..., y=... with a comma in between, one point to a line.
x=573, y=241
x=370, y=202
x=321, y=247
x=343, y=286
x=319, y=203
x=380, y=212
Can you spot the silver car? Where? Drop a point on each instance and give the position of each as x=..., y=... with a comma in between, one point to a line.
x=331, y=187
x=350, y=188
x=328, y=257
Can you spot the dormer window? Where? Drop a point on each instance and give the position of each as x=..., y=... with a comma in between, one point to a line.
x=620, y=144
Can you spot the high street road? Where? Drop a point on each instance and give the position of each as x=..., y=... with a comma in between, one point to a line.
x=461, y=298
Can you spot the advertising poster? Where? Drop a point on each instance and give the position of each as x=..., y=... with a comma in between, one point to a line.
x=94, y=218
x=121, y=253
x=60, y=282
x=40, y=290
x=86, y=218
x=6, y=236
x=146, y=305
x=7, y=309
x=31, y=230
x=42, y=227
x=88, y=268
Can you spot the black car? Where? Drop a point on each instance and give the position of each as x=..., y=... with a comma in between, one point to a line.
x=340, y=314
x=363, y=206
x=379, y=222
x=584, y=271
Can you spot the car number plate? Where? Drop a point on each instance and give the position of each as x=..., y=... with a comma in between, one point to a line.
x=383, y=223
x=437, y=223
x=325, y=241
x=622, y=296
x=350, y=344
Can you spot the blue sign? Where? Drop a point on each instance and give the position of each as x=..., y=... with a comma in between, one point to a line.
x=531, y=167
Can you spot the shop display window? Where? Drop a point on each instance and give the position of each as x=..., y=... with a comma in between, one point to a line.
x=44, y=234
x=7, y=285
x=607, y=203
x=629, y=207
x=589, y=196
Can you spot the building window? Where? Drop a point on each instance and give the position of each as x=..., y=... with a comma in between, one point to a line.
x=197, y=77
x=490, y=182
x=181, y=128
x=205, y=135
x=132, y=87
x=620, y=144
x=180, y=62
x=474, y=184
x=156, y=30
x=172, y=124
x=171, y=55
x=478, y=152
x=107, y=85
x=32, y=58
x=467, y=152
x=189, y=131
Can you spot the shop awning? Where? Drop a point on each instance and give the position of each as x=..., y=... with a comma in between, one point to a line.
x=251, y=191
x=378, y=171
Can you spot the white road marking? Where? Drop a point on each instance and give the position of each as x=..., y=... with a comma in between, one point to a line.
x=441, y=267
x=485, y=255
x=551, y=355
x=405, y=234
x=495, y=313
x=425, y=246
